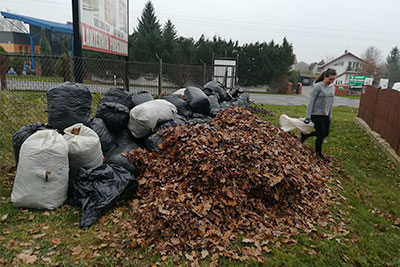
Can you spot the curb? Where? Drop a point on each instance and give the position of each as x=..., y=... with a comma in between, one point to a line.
x=376, y=137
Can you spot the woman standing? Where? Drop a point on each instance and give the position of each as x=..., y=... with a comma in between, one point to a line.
x=319, y=109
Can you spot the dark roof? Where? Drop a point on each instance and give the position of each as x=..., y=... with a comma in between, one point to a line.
x=345, y=54
x=49, y=25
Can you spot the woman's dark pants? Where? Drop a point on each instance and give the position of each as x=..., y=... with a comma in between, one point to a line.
x=322, y=125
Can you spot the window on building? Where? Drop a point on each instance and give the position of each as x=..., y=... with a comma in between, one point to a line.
x=21, y=49
x=342, y=63
x=26, y=49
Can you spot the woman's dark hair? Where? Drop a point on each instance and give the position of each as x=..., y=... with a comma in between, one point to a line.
x=327, y=73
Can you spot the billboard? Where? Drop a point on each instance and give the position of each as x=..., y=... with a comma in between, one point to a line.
x=104, y=25
x=357, y=80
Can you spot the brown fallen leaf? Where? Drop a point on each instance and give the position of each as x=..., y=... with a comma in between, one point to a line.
x=38, y=236
x=51, y=253
x=189, y=257
x=76, y=250
x=4, y=217
x=27, y=257
x=31, y=217
x=46, y=260
x=175, y=241
x=247, y=240
x=204, y=254
x=56, y=241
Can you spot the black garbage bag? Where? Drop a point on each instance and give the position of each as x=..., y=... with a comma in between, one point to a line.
x=177, y=120
x=106, y=138
x=214, y=105
x=22, y=134
x=125, y=142
x=243, y=100
x=118, y=157
x=226, y=104
x=153, y=142
x=182, y=106
x=199, y=118
x=68, y=104
x=235, y=92
x=197, y=100
x=97, y=189
x=114, y=115
x=141, y=98
x=117, y=95
x=216, y=88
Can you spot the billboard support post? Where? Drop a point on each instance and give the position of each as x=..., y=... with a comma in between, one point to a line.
x=126, y=65
x=78, y=68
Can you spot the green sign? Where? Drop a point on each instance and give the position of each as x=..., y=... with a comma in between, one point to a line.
x=357, y=80
x=341, y=87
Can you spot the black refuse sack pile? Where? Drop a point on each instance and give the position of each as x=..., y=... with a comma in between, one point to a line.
x=122, y=122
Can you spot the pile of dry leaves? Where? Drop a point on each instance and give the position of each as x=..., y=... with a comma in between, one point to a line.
x=236, y=176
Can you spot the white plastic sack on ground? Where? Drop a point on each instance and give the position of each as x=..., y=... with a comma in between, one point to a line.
x=84, y=147
x=180, y=91
x=289, y=124
x=144, y=117
x=41, y=181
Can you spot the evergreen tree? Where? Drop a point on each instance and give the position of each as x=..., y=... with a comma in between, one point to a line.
x=45, y=48
x=148, y=21
x=393, y=65
x=145, y=43
x=46, y=63
x=169, y=43
x=203, y=51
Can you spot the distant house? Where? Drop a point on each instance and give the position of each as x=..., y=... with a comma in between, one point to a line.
x=316, y=67
x=345, y=65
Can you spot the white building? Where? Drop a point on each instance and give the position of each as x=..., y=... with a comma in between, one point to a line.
x=346, y=64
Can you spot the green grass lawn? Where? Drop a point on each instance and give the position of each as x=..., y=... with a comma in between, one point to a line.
x=351, y=96
x=369, y=208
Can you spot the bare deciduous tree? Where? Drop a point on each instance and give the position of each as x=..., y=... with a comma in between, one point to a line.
x=373, y=63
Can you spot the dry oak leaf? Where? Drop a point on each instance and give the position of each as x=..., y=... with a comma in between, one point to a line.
x=204, y=253
x=27, y=258
x=56, y=241
x=76, y=250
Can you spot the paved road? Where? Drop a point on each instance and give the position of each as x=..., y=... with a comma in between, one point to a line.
x=297, y=100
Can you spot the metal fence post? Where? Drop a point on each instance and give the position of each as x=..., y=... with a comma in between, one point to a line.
x=66, y=69
x=3, y=69
x=126, y=74
x=160, y=78
x=204, y=73
x=180, y=75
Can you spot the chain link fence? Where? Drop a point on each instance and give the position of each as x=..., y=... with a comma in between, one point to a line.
x=25, y=81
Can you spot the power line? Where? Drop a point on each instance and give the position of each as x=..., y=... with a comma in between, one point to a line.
x=257, y=24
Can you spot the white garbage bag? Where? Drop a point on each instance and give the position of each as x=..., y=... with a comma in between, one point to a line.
x=41, y=181
x=84, y=147
x=144, y=117
x=288, y=124
x=180, y=91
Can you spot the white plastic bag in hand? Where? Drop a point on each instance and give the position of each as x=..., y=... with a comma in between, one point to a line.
x=289, y=124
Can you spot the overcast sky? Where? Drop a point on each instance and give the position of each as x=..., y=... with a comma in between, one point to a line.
x=317, y=29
